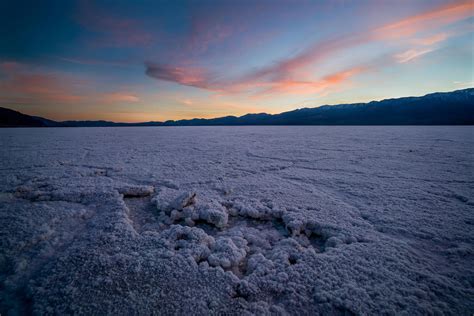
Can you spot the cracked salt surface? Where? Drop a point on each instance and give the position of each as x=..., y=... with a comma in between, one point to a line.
x=237, y=220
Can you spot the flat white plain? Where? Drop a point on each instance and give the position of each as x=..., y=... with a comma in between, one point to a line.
x=261, y=220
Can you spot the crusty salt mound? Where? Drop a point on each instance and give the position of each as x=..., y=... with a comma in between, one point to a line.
x=256, y=220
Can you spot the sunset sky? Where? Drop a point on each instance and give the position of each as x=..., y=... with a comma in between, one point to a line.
x=158, y=60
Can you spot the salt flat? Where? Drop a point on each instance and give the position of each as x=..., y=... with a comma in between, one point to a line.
x=262, y=220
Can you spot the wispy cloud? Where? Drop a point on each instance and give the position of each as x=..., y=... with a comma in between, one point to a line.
x=187, y=102
x=431, y=40
x=119, y=97
x=290, y=75
x=188, y=76
x=112, y=29
x=206, y=31
x=401, y=29
x=431, y=19
x=18, y=80
x=28, y=84
x=412, y=54
x=302, y=87
x=10, y=67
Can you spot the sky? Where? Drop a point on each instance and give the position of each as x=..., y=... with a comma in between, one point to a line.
x=134, y=61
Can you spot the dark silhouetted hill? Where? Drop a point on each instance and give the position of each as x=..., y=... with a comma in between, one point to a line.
x=11, y=118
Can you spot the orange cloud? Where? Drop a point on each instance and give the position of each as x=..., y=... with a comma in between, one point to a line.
x=188, y=76
x=187, y=102
x=46, y=87
x=25, y=86
x=280, y=76
x=435, y=18
x=431, y=40
x=406, y=27
x=315, y=86
x=20, y=83
x=119, y=97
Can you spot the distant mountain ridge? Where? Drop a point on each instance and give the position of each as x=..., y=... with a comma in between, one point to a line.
x=441, y=108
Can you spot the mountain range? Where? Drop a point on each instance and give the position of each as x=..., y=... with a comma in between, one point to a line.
x=442, y=108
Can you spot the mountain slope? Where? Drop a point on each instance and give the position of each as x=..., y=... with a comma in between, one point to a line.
x=11, y=118
x=447, y=108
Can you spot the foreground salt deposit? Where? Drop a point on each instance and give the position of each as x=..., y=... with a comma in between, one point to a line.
x=263, y=220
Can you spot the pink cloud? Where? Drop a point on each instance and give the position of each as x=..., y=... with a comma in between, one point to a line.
x=428, y=20
x=21, y=83
x=205, y=32
x=431, y=40
x=187, y=102
x=119, y=97
x=112, y=29
x=188, y=76
x=437, y=17
x=9, y=67
x=319, y=86
x=198, y=78
x=26, y=84
x=290, y=75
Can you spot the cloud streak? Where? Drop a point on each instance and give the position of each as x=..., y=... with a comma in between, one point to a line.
x=28, y=85
x=428, y=20
x=112, y=29
x=19, y=81
x=119, y=97
x=288, y=75
x=431, y=40
x=412, y=54
x=188, y=76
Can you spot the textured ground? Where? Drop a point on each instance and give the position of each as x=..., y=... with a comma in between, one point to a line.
x=263, y=220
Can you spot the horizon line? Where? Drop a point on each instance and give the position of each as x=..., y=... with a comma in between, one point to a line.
x=236, y=116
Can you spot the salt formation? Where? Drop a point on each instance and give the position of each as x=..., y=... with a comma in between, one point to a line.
x=183, y=206
x=255, y=220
